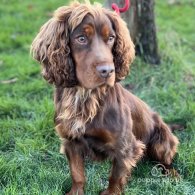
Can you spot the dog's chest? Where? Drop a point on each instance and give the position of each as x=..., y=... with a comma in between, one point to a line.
x=109, y=119
x=101, y=143
x=103, y=132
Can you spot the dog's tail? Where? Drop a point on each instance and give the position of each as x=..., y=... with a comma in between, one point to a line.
x=163, y=144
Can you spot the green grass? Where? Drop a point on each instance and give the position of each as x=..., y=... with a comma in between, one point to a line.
x=30, y=162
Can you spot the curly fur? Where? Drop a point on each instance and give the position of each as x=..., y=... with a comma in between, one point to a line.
x=51, y=46
x=81, y=104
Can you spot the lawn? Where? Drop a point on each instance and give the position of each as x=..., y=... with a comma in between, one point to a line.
x=30, y=162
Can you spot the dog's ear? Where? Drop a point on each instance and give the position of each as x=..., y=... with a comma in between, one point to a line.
x=51, y=49
x=123, y=50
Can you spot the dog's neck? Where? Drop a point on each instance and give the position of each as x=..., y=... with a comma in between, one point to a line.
x=80, y=106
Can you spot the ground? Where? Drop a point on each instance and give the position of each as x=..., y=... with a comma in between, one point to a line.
x=30, y=162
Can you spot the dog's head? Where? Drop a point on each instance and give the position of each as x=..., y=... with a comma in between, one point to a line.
x=84, y=45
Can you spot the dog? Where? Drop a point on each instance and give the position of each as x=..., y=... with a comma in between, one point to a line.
x=85, y=50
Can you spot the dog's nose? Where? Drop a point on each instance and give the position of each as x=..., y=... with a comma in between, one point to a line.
x=105, y=71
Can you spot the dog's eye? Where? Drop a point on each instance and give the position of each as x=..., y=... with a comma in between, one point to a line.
x=82, y=39
x=111, y=38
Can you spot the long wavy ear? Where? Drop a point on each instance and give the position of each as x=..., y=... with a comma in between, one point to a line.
x=123, y=50
x=51, y=49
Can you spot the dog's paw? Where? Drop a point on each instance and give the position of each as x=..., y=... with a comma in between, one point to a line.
x=108, y=192
x=75, y=192
x=105, y=192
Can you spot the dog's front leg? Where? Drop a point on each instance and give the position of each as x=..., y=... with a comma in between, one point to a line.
x=118, y=178
x=122, y=165
x=76, y=162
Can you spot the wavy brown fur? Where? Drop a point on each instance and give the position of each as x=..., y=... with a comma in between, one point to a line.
x=84, y=51
x=80, y=104
x=51, y=45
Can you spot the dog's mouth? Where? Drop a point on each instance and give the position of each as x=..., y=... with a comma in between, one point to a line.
x=109, y=81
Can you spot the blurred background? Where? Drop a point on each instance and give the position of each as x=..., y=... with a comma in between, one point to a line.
x=30, y=162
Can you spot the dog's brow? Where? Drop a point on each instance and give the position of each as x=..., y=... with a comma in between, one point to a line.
x=105, y=31
x=88, y=29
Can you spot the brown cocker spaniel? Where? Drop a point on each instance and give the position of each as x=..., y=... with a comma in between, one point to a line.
x=85, y=50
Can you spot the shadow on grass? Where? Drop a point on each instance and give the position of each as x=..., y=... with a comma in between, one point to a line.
x=66, y=185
